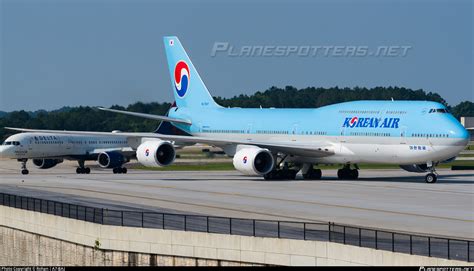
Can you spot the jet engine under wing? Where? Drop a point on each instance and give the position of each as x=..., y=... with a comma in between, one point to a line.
x=147, y=116
x=314, y=149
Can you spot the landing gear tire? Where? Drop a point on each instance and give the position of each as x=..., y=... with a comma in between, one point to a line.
x=83, y=170
x=354, y=174
x=431, y=178
x=313, y=174
x=119, y=170
x=347, y=174
x=281, y=175
x=24, y=170
x=340, y=174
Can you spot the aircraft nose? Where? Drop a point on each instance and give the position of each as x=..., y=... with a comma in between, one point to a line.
x=5, y=151
x=458, y=131
x=2, y=151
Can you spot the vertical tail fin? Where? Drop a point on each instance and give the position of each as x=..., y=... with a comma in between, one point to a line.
x=187, y=85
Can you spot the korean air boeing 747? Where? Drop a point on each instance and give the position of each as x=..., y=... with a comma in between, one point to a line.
x=278, y=143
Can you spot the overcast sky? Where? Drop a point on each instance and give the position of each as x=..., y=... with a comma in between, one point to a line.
x=104, y=52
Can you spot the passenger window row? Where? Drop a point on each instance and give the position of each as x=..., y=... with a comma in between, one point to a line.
x=430, y=135
x=49, y=142
x=315, y=133
x=396, y=112
x=272, y=132
x=369, y=134
x=223, y=131
x=359, y=112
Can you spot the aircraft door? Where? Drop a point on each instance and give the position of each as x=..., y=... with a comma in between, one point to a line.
x=294, y=132
x=403, y=135
x=67, y=144
x=249, y=128
x=295, y=128
x=341, y=137
x=30, y=144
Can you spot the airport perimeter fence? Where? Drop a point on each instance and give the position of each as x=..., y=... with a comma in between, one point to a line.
x=431, y=246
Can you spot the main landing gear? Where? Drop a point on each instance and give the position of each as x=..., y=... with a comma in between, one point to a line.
x=24, y=171
x=281, y=172
x=81, y=169
x=311, y=173
x=286, y=173
x=119, y=170
x=346, y=173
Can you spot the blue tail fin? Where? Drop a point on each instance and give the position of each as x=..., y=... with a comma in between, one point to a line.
x=187, y=85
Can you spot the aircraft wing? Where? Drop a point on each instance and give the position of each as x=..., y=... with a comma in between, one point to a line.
x=314, y=149
x=148, y=116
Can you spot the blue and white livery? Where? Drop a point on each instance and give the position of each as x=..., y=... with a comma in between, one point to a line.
x=278, y=143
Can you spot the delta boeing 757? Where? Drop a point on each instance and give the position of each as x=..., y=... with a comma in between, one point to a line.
x=278, y=143
x=46, y=150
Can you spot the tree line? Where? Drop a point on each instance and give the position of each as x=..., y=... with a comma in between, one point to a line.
x=85, y=118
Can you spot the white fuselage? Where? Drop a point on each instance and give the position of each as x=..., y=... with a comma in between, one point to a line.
x=368, y=149
x=46, y=145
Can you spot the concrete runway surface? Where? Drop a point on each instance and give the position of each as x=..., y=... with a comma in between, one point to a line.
x=387, y=199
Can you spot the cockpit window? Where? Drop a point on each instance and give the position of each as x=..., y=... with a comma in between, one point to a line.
x=438, y=110
x=15, y=143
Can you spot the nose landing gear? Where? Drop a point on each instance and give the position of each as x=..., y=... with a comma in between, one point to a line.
x=431, y=177
x=24, y=170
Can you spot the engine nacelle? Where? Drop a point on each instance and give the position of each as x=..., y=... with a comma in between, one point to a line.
x=46, y=163
x=253, y=161
x=415, y=168
x=111, y=159
x=156, y=153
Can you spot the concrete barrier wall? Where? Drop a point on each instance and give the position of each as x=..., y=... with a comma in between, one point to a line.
x=33, y=238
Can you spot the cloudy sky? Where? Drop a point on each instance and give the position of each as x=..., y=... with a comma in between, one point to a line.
x=104, y=52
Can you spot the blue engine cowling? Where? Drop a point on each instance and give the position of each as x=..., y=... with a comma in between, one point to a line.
x=111, y=159
x=46, y=163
